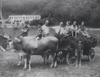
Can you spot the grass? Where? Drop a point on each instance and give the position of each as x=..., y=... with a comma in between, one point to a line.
x=9, y=68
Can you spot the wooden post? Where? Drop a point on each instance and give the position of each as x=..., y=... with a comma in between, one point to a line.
x=3, y=21
x=1, y=9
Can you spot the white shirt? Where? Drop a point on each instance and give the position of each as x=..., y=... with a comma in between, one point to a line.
x=72, y=28
x=61, y=29
x=45, y=29
x=67, y=28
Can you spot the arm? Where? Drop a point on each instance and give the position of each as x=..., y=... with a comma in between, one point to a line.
x=87, y=34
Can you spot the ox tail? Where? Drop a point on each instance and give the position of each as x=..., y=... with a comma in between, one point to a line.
x=57, y=47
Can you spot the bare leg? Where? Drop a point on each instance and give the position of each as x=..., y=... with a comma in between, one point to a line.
x=80, y=58
x=80, y=63
x=76, y=63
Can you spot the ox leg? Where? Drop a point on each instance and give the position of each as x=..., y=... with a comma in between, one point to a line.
x=55, y=60
x=20, y=57
x=51, y=66
x=25, y=63
x=29, y=62
x=46, y=57
x=54, y=63
x=20, y=60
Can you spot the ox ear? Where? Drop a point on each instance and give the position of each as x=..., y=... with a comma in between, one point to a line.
x=18, y=40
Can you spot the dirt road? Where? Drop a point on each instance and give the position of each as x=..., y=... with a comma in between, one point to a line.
x=9, y=68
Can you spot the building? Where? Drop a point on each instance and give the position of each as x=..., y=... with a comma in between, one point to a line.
x=23, y=18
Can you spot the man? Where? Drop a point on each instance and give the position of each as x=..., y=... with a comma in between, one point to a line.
x=45, y=29
x=42, y=32
x=60, y=29
x=73, y=29
x=82, y=31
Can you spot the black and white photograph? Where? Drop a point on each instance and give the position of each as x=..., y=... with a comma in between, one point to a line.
x=49, y=38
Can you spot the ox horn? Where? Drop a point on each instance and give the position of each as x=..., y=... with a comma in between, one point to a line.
x=17, y=39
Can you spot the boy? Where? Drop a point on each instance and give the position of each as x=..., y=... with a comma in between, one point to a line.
x=39, y=36
x=79, y=53
x=25, y=31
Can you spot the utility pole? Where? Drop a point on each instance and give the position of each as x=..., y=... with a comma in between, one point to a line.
x=1, y=18
x=1, y=9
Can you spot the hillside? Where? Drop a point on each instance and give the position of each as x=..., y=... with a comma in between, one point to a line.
x=57, y=10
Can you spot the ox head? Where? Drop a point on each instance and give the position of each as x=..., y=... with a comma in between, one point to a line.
x=3, y=42
x=14, y=44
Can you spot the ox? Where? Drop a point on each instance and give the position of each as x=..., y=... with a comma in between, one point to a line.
x=27, y=46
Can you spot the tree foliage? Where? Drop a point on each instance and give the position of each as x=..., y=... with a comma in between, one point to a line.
x=59, y=10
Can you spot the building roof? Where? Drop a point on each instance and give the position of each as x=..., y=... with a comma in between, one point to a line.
x=24, y=15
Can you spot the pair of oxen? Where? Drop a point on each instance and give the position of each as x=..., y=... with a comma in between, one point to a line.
x=49, y=45
x=25, y=46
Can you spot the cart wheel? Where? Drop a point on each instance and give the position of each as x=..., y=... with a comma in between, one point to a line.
x=91, y=55
x=4, y=44
x=70, y=59
x=60, y=57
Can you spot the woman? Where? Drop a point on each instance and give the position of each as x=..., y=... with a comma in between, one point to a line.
x=74, y=29
x=82, y=31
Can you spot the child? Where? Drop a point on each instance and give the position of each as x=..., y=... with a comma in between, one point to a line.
x=25, y=31
x=79, y=53
x=39, y=35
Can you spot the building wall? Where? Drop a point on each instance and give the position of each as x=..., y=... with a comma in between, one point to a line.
x=20, y=18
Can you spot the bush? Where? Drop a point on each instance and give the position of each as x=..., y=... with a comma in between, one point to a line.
x=34, y=22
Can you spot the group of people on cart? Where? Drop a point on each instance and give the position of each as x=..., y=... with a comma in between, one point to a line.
x=62, y=30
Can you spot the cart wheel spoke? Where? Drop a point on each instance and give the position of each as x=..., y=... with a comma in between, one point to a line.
x=70, y=58
x=91, y=55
